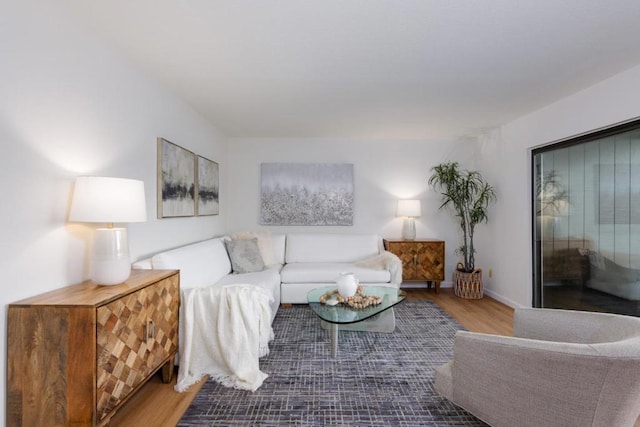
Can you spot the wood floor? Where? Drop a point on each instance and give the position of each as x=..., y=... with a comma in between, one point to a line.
x=156, y=404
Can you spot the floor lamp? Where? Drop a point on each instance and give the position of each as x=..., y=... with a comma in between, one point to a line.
x=109, y=200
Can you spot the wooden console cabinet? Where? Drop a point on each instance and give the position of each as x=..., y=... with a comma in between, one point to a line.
x=76, y=354
x=422, y=259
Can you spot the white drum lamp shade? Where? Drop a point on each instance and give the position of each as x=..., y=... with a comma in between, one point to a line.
x=409, y=209
x=109, y=200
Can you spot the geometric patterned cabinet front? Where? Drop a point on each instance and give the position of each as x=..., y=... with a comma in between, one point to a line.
x=76, y=354
x=422, y=259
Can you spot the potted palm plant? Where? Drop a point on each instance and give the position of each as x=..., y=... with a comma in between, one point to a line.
x=469, y=195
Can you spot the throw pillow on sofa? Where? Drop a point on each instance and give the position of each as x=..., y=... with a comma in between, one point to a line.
x=265, y=244
x=244, y=255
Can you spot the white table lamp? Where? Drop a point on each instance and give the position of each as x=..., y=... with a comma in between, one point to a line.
x=409, y=209
x=109, y=200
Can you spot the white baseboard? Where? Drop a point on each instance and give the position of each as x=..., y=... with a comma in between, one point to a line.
x=503, y=299
x=414, y=285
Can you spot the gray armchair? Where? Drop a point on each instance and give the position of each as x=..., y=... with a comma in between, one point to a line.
x=561, y=368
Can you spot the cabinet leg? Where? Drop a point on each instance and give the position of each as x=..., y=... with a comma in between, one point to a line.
x=167, y=371
x=105, y=421
x=437, y=287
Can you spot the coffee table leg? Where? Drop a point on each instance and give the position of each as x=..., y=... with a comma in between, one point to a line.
x=334, y=339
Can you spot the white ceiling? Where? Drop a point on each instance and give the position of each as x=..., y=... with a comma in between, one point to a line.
x=396, y=69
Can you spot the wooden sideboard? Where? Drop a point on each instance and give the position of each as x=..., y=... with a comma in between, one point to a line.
x=76, y=354
x=422, y=259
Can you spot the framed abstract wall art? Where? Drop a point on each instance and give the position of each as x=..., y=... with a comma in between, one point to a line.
x=176, y=180
x=306, y=194
x=207, y=187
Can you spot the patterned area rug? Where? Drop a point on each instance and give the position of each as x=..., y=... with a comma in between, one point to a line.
x=377, y=379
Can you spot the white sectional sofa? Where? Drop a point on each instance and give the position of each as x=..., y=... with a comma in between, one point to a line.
x=301, y=262
x=287, y=266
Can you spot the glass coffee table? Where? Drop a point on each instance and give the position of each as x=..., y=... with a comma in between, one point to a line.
x=342, y=314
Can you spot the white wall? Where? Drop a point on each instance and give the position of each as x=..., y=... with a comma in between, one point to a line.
x=70, y=106
x=384, y=171
x=505, y=160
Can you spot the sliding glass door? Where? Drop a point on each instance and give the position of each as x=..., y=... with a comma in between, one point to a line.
x=586, y=231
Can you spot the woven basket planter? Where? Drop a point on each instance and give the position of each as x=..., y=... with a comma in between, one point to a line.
x=468, y=285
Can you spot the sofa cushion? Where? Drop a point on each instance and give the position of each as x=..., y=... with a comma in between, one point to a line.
x=269, y=278
x=321, y=272
x=279, y=243
x=143, y=264
x=244, y=255
x=200, y=264
x=331, y=247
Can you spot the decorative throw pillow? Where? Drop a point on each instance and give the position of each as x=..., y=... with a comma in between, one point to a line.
x=244, y=255
x=265, y=244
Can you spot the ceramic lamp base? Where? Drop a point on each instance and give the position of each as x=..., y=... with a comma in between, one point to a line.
x=409, y=229
x=110, y=263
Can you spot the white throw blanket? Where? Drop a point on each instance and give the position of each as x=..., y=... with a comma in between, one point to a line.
x=385, y=261
x=223, y=332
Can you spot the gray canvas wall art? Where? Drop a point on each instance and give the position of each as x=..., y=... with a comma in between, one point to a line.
x=208, y=187
x=176, y=180
x=306, y=194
